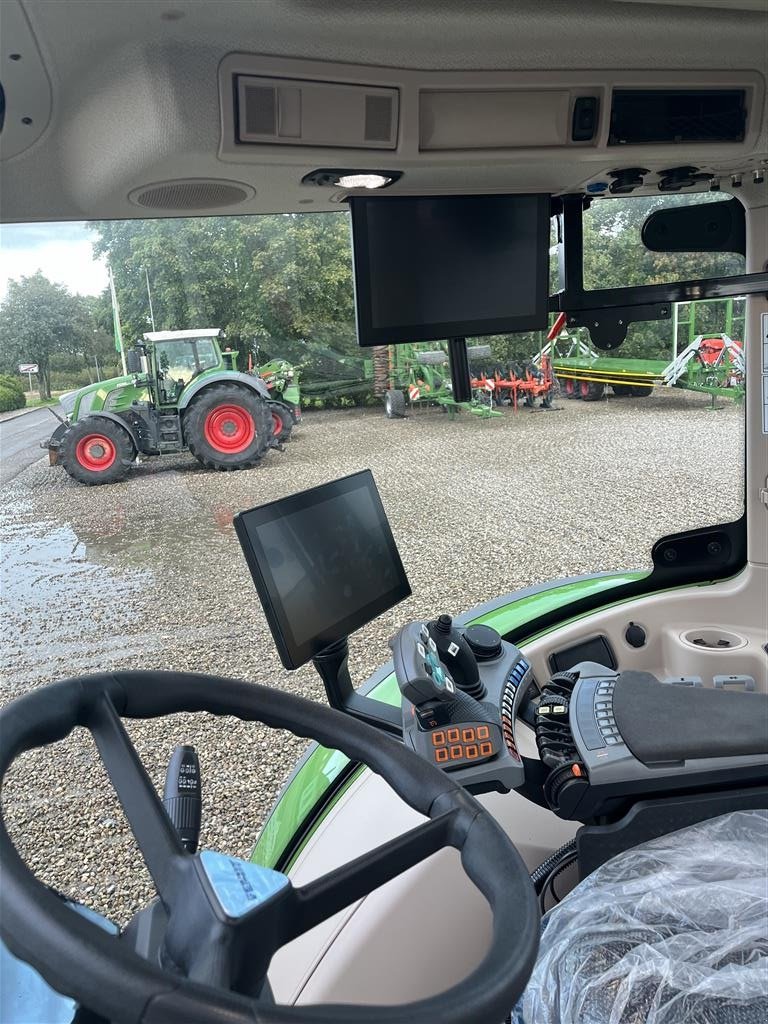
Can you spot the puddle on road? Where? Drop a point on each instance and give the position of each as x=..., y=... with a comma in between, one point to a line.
x=70, y=590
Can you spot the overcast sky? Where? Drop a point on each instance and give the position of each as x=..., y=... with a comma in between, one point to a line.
x=63, y=252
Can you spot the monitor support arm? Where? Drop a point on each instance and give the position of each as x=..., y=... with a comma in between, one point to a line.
x=460, y=382
x=333, y=668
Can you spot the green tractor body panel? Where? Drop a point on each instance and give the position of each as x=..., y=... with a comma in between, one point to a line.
x=313, y=788
x=219, y=376
x=111, y=395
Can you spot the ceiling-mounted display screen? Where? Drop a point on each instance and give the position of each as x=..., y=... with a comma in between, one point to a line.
x=449, y=266
x=324, y=563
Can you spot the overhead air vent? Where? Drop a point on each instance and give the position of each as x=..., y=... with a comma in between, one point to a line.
x=328, y=115
x=192, y=194
x=649, y=116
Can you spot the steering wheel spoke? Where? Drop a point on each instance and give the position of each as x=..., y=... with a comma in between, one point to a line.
x=318, y=900
x=153, y=830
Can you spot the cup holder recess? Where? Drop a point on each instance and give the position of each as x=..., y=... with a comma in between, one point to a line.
x=707, y=639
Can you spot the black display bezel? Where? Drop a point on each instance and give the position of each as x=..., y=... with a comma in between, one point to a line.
x=368, y=335
x=293, y=654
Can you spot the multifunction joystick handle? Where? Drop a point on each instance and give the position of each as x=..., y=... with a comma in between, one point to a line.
x=421, y=676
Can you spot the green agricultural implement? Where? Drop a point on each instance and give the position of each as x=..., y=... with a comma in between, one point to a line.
x=420, y=377
x=711, y=362
x=282, y=380
x=182, y=392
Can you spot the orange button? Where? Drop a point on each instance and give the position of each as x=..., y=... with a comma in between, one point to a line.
x=471, y=751
x=438, y=738
x=482, y=732
x=457, y=753
x=468, y=735
x=486, y=749
x=453, y=735
x=441, y=755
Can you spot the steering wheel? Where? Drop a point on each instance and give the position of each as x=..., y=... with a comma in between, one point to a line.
x=215, y=961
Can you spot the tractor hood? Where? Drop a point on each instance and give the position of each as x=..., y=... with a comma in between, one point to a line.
x=81, y=401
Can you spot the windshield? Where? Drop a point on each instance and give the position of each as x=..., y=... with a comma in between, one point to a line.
x=567, y=462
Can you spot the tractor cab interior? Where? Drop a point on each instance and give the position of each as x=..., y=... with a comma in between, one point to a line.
x=608, y=742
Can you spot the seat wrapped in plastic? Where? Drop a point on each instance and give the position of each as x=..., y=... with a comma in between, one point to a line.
x=674, y=931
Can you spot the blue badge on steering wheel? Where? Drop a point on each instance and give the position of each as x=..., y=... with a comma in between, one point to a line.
x=238, y=885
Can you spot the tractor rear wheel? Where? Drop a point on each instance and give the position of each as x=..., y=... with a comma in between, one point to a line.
x=96, y=451
x=394, y=404
x=282, y=422
x=228, y=427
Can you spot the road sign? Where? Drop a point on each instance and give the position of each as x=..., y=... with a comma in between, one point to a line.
x=29, y=368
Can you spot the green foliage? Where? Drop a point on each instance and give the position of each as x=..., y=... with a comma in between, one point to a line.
x=11, y=383
x=10, y=398
x=40, y=320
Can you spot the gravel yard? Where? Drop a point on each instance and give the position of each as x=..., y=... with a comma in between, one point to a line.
x=148, y=574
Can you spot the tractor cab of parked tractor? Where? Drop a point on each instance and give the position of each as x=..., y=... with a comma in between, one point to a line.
x=176, y=358
x=550, y=807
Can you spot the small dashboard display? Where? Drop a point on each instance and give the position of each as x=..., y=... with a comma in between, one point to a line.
x=324, y=563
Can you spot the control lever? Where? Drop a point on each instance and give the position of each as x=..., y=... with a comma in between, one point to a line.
x=182, y=795
x=456, y=653
x=420, y=676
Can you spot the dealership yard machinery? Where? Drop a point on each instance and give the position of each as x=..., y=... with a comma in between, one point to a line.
x=711, y=363
x=182, y=392
x=518, y=384
x=282, y=380
x=423, y=378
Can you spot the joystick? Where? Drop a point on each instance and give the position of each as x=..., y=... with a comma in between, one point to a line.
x=456, y=654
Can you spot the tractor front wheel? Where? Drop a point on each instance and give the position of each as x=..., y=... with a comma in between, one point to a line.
x=228, y=427
x=394, y=404
x=96, y=451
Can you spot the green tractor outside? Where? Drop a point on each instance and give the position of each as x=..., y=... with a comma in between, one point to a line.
x=181, y=393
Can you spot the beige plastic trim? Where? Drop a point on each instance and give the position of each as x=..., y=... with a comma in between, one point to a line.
x=25, y=82
x=423, y=92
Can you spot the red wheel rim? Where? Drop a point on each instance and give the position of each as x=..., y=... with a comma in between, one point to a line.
x=95, y=452
x=229, y=429
x=277, y=424
x=584, y=388
x=569, y=388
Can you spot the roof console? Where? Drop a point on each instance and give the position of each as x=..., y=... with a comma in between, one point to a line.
x=657, y=116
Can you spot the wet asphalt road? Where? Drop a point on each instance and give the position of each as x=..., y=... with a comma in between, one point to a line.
x=20, y=439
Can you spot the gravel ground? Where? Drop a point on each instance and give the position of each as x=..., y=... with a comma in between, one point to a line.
x=148, y=573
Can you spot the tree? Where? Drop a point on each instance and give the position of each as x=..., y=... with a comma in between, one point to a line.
x=40, y=319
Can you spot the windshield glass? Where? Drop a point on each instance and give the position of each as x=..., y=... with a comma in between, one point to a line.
x=184, y=359
x=566, y=462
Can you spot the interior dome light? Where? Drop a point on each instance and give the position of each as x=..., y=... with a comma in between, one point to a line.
x=364, y=180
x=348, y=177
